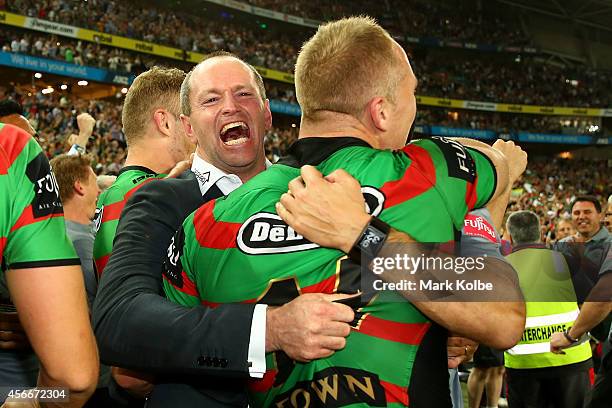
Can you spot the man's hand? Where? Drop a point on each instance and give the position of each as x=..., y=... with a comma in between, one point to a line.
x=309, y=327
x=86, y=124
x=558, y=342
x=515, y=156
x=12, y=335
x=329, y=211
x=459, y=349
x=135, y=383
x=20, y=403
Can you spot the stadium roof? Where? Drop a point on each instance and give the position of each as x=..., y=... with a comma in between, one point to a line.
x=587, y=13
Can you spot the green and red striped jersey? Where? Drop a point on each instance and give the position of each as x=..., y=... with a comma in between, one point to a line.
x=32, y=229
x=110, y=205
x=236, y=249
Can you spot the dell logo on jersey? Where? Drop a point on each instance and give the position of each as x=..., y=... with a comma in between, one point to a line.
x=274, y=232
x=267, y=233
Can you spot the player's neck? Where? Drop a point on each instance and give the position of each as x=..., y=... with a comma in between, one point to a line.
x=331, y=124
x=74, y=211
x=153, y=157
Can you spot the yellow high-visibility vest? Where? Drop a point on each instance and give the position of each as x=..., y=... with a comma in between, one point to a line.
x=550, y=300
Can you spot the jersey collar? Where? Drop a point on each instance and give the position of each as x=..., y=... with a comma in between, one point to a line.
x=314, y=150
x=139, y=168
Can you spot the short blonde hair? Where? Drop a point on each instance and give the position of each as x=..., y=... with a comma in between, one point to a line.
x=68, y=169
x=344, y=65
x=153, y=89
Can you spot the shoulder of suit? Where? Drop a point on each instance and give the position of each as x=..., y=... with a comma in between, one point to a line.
x=175, y=185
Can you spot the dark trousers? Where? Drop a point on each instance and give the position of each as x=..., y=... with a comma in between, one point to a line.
x=569, y=390
x=602, y=390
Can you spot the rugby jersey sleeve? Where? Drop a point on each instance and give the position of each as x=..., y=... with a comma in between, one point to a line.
x=463, y=177
x=479, y=237
x=179, y=279
x=35, y=230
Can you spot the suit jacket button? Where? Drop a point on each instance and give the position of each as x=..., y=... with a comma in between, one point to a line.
x=201, y=361
x=216, y=362
x=224, y=362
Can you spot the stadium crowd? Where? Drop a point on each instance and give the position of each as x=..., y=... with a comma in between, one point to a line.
x=547, y=186
x=507, y=122
x=181, y=29
x=526, y=82
x=426, y=19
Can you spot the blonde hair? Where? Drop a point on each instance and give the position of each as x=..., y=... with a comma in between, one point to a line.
x=344, y=65
x=153, y=89
x=68, y=169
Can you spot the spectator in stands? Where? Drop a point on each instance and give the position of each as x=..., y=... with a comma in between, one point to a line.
x=564, y=228
x=12, y=113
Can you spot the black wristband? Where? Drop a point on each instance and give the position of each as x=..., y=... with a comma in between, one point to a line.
x=370, y=241
x=570, y=338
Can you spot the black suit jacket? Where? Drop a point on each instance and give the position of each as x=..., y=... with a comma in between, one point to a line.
x=137, y=328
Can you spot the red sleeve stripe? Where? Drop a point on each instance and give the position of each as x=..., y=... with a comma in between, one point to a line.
x=2, y=245
x=419, y=177
x=214, y=234
x=395, y=393
x=471, y=195
x=189, y=288
x=27, y=218
x=406, y=333
x=101, y=263
x=12, y=141
x=113, y=211
x=212, y=305
x=264, y=384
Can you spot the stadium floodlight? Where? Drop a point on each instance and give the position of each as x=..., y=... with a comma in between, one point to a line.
x=38, y=75
x=82, y=83
x=47, y=91
x=63, y=87
x=124, y=90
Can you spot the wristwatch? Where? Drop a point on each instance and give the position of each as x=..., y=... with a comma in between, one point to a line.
x=370, y=241
x=76, y=149
x=570, y=338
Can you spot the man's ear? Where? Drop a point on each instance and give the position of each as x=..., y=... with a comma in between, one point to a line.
x=161, y=117
x=267, y=114
x=78, y=188
x=186, y=122
x=377, y=111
